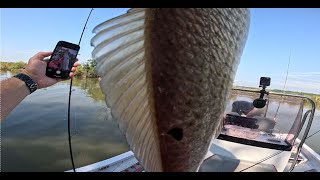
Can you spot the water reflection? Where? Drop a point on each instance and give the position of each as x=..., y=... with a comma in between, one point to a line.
x=34, y=135
x=91, y=87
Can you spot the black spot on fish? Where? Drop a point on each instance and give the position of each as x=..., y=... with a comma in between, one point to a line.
x=176, y=133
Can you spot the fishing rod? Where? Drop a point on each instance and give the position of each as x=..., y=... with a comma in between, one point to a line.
x=69, y=101
x=284, y=87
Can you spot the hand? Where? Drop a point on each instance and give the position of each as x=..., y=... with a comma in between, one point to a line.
x=36, y=69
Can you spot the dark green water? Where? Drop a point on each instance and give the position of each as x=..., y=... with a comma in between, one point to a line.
x=34, y=135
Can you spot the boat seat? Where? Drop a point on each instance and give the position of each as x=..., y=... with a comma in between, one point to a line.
x=219, y=163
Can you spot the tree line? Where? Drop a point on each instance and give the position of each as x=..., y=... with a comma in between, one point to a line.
x=86, y=69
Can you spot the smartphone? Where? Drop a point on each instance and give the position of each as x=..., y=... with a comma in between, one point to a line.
x=62, y=59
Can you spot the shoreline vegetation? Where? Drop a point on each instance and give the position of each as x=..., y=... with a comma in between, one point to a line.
x=87, y=70
x=315, y=97
x=84, y=70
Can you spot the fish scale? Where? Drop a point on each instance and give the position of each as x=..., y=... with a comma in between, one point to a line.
x=188, y=61
x=171, y=147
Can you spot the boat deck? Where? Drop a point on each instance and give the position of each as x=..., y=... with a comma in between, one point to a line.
x=308, y=161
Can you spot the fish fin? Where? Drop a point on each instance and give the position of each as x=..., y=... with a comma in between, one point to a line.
x=121, y=64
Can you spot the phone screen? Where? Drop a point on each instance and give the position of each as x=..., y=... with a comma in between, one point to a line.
x=61, y=62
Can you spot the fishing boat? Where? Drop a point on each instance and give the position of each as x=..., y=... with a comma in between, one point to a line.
x=265, y=143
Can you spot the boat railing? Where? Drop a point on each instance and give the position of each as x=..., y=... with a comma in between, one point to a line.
x=309, y=113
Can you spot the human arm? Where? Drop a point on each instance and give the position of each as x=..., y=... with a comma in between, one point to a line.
x=14, y=90
x=255, y=112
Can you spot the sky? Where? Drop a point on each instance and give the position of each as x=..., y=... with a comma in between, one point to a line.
x=274, y=34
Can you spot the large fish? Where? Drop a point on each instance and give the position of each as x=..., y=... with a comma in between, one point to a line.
x=166, y=74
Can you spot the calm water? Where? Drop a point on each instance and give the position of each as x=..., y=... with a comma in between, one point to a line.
x=34, y=135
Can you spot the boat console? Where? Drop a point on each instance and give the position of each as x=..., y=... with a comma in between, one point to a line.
x=256, y=131
x=250, y=139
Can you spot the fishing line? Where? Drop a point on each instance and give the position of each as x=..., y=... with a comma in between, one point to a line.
x=273, y=155
x=69, y=101
x=313, y=134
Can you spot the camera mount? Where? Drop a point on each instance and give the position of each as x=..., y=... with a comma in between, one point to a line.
x=260, y=102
